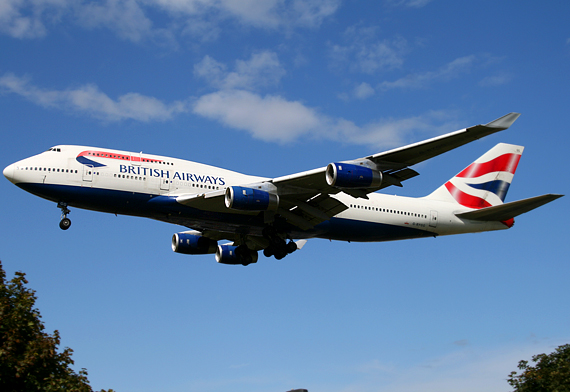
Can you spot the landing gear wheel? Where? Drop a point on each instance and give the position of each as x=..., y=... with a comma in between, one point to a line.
x=280, y=253
x=291, y=247
x=244, y=255
x=64, y=224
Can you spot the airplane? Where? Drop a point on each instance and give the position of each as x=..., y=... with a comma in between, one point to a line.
x=278, y=215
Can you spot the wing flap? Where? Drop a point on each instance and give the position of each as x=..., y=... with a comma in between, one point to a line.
x=507, y=211
x=309, y=213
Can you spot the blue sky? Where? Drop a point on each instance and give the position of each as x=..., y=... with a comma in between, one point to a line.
x=273, y=87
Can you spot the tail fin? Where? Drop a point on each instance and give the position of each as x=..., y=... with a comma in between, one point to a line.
x=485, y=182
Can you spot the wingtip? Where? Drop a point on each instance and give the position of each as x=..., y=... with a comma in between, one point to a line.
x=504, y=122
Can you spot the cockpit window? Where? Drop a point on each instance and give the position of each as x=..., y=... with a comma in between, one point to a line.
x=55, y=149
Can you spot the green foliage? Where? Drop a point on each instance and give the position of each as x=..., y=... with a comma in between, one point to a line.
x=550, y=374
x=29, y=360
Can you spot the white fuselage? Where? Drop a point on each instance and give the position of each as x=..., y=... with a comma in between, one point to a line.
x=125, y=182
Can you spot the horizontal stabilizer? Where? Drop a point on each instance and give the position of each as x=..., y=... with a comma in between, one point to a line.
x=503, y=212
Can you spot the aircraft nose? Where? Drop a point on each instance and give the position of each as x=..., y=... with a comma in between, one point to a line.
x=9, y=172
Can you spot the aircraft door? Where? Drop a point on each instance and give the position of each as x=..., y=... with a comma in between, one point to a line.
x=164, y=184
x=88, y=173
x=433, y=218
x=136, y=159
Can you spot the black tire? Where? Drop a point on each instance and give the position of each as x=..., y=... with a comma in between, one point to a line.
x=291, y=247
x=280, y=253
x=64, y=224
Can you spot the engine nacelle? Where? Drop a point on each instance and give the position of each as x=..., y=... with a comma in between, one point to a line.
x=193, y=244
x=231, y=254
x=248, y=199
x=346, y=175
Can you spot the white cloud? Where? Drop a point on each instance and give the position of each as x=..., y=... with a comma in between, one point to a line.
x=270, y=118
x=420, y=80
x=125, y=17
x=275, y=119
x=495, y=80
x=312, y=12
x=363, y=91
x=366, y=54
x=136, y=20
x=88, y=99
x=279, y=13
x=409, y=3
x=466, y=369
x=392, y=132
x=26, y=19
x=261, y=70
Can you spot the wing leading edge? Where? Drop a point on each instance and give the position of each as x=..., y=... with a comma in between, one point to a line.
x=395, y=162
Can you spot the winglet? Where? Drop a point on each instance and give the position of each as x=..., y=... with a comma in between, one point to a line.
x=504, y=122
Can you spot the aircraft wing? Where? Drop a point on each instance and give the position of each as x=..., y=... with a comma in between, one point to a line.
x=394, y=163
x=421, y=151
x=306, y=199
x=310, y=195
x=305, y=209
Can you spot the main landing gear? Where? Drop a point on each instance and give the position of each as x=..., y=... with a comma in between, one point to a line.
x=65, y=222
x=278, y=246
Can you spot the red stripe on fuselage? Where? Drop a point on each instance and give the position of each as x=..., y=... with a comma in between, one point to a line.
x=121, y=157
x=506, y=163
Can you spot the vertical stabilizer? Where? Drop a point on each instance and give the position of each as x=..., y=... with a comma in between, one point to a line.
x=485, y=182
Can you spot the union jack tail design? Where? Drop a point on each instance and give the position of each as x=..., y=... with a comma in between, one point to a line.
x=485, y=182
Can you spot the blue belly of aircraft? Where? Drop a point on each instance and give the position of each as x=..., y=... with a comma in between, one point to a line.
x=165, y=208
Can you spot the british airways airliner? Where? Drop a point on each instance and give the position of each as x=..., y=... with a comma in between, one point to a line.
x=278, y=215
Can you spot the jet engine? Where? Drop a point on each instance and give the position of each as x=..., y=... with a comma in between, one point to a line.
x=193, y=243
x=248, y=199
x=347, y=175
x=231, y=254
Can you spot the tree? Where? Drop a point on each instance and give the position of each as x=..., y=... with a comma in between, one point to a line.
x=550, y=374
x=29, y=360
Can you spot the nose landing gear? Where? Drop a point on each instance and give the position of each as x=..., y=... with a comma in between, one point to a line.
x=65, y=222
